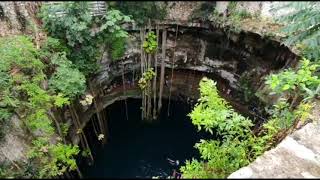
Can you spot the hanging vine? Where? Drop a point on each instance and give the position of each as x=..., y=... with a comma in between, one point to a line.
x=155, y=77
x=173, y=60
x=163, y=56
x=149, y=48
x=124, y=91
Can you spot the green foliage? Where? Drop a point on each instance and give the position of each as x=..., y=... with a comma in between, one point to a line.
x=64, y=128
x=303, y=82
x=57, y=159
x=60, y=100
x=282, y=114
x=195, y=169
x=112, y=23
x=298, y=82
x=303, y=111
x=146, y=78
x=4, y=114
x=237, y=146
x=301, y=25
x=141, y=12
x=68, y=80
x=52, y=45
x=19, y=59
x=83, y=34
x=118, y=48
x=21, y=92
x=150, y=45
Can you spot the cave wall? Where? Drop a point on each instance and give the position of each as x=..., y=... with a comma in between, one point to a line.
x=210, y=50
x=200, y=49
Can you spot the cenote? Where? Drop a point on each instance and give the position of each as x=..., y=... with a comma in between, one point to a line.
x=140, y=149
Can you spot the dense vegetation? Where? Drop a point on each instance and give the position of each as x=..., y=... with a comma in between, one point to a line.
x=22, y=77
x=301, y=26
x=296, y=89
x=34, y=82
x=141, y=12
x=83, y=34
x=236, y=146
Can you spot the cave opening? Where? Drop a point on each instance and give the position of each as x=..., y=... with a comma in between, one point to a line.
x=140, y=149
x=137, y=149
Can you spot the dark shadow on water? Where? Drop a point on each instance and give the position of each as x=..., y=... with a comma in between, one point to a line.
x=140, y=150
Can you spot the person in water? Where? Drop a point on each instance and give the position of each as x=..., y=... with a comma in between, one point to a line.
x=172, y=162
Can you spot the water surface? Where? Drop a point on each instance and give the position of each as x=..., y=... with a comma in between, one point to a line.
x=140, y=150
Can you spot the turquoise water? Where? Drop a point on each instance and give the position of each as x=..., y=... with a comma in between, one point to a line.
x=139, y=150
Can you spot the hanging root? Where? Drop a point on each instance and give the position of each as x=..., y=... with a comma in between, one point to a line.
x=163, y=56
x=124, y=91
x=173, y=59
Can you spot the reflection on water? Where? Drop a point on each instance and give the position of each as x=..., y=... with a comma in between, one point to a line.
x=139, y=150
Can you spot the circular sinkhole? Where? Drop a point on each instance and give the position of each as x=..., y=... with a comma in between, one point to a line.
x=138, y=149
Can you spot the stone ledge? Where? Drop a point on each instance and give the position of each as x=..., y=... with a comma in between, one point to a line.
x=297, y=156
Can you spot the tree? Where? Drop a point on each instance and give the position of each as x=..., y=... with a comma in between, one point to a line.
x=301, y=25
x=83, y=34
x=237, y=145
x=22, y=76
x=296, y=83
x=70, y=81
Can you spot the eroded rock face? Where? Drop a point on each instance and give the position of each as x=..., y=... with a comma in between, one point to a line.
x=297, y=156
x=198, y=51
x=227, y=55
x=16, y=16
x=13, y=146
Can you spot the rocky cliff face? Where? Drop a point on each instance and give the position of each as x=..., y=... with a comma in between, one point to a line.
x=223, y=56
x=297, y=156
x=201, y=49
x=18, y=17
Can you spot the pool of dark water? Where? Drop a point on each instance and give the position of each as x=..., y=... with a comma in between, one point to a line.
x=136, y=149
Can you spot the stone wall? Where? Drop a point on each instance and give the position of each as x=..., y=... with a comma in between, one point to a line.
x=297, y=156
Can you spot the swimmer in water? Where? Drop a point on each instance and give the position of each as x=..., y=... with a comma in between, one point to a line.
x=172, y=162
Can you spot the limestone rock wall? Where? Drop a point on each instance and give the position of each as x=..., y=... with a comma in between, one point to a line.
x=18, y=17
x=297, y=156
x=262, y=8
